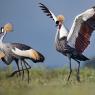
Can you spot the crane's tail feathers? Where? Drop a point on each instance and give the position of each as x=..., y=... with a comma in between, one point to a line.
x=83, y=58
x=32, y=54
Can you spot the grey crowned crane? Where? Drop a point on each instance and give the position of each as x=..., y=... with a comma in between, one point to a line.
x=17, y=52
x=73, y=43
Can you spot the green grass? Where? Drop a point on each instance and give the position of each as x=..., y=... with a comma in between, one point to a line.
x=48, y=82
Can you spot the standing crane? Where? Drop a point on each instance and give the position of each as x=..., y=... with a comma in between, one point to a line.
x=73, y=43
x=10, y=52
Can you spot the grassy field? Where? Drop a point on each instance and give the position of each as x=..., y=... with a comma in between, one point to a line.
x=48, y=82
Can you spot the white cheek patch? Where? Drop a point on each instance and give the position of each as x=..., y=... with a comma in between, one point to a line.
x=63, y=32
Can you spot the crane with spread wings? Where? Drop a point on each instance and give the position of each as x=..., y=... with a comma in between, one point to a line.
x=72, y=43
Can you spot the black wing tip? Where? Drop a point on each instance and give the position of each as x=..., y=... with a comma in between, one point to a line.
x=45, y=10
x=41, y=59
x=41, y=4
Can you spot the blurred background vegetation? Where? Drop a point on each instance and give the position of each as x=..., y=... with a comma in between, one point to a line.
x=46, y=81
x=90, y=63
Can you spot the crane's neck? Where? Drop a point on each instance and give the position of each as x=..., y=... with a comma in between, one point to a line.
x=2, y=37
x=61, y=32
x=1, y=40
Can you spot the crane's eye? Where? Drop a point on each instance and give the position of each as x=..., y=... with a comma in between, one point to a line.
x=2, y=29
x=57, y=22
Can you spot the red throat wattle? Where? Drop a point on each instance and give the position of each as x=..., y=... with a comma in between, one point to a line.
x=60, y=26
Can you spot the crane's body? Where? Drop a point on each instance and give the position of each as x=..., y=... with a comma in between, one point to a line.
x=65, y=49
x=9, y=51
x=72, y=43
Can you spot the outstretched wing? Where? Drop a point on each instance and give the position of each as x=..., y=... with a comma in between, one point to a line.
x=47, y=11
x=81, y=30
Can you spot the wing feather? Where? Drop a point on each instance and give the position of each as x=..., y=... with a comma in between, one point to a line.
x=47, y=11
x=31, y=54
x=81, y=30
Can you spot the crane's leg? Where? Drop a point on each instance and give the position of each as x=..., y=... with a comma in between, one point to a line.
x=78, y=71
x=17, y=71
x=29, y=67
x=22, y=70
x=27, y=70
x=70, y=66
x=18, y=67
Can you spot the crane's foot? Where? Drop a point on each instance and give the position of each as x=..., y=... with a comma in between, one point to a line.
x=13, y=73
x=69, y=75
x=18, y=74
x=23, y=75
x=68, y=78
x=78, y=78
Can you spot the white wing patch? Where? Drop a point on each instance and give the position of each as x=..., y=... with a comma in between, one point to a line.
x=19, y=52
x=26, y=53
x=73, y=34
x=71, y=38
x=54, y=17
x=87, y=14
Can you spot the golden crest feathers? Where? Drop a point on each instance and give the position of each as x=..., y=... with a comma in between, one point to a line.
x=8, y=27
x=60, y=18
